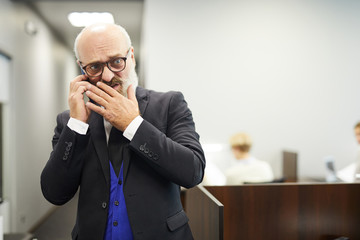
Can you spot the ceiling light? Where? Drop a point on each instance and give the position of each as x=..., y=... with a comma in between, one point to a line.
x=83, y=19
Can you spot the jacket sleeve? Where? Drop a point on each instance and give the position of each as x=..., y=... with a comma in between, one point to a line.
x=60, y=177
x=178, y=155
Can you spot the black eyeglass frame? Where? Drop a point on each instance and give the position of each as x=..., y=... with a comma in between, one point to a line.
x=107, y=64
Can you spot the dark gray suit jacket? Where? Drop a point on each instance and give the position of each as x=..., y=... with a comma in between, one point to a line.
x=164, y=154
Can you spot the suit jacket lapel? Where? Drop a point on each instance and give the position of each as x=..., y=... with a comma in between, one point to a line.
x=143, y=99
x=97, y=130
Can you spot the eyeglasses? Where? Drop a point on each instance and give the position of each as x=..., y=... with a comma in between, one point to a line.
x=115, y=65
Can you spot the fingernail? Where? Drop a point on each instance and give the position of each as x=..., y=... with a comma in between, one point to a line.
x=87, y=92
x=98, y=83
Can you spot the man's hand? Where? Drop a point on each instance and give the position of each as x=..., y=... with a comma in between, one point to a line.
x=116, y=109
x=78, y=110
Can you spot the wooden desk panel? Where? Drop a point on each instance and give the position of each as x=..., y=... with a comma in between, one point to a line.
x=290, y=211
x=205, y=213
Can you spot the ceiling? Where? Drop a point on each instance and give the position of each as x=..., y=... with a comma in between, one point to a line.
x=129, y=14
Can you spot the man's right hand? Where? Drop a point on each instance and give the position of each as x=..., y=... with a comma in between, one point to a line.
x=78, y=110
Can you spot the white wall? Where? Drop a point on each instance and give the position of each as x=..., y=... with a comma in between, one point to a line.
x=37, y=93
x=286, y=72
x=4, y=79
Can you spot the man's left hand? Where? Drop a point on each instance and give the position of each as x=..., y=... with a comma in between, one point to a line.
x=116, y=109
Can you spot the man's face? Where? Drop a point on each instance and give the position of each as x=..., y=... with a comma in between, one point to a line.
x=357, y=135
x=101, y=45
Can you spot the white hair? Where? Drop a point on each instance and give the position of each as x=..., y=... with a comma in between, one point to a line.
x=122, y=30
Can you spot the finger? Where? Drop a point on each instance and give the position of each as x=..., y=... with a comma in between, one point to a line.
x=78, y=88
x=97, y=91
x=78, y=79
x=77, y=95
x=79, y=92
x=109, y=90
x=76, y=85
x=81, y=77
x=95, y=108
x=96, y=98
x=131, y=93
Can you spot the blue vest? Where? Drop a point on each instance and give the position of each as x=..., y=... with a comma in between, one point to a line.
x=118, y=225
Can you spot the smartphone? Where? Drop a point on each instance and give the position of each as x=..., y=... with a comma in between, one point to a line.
x=82, y=71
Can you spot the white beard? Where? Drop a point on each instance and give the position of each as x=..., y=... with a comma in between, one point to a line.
x=131, y=80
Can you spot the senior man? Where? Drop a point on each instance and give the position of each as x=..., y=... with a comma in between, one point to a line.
x=128, y=149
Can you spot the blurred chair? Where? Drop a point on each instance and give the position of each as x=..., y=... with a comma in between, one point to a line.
x=289, y=164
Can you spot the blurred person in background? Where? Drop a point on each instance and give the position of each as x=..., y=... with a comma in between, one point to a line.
x=247, y=169
x=357, y=163
x=357, y=132
x=351, y=172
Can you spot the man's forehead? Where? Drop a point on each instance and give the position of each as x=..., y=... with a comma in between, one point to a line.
x=100, y=46
x=102, y=33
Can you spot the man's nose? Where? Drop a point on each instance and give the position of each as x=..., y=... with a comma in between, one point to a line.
x=107, y=75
